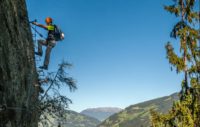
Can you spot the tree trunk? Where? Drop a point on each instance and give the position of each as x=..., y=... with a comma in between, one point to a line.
x=17, y=67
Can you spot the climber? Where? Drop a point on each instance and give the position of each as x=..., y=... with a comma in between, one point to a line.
x=50, y=41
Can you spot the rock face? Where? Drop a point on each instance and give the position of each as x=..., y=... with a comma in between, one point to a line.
x=17, y=67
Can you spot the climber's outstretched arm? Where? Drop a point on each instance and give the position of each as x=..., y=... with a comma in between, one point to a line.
x=40, y=25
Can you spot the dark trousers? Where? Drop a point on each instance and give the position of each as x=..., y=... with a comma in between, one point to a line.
x=49, y=44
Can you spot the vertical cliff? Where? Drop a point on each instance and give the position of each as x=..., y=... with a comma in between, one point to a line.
x=17, y=67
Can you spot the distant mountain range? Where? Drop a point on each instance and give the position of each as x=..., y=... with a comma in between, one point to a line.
x=101, y=113
x=139, y=115
x=72, y=119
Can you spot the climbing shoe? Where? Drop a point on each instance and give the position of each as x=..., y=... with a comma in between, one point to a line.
x=45, y=67
x=38, y=53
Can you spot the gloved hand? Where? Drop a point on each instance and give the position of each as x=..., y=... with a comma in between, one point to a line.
x=34, y=23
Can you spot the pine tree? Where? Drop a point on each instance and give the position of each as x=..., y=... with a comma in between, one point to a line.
x=51, y=102
x=186, y=111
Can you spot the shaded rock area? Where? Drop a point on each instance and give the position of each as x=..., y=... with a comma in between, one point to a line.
x=18, y=74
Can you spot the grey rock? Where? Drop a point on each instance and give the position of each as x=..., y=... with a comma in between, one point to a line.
x=17, y=67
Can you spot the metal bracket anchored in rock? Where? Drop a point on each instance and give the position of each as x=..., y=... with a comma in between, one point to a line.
x=3, y=108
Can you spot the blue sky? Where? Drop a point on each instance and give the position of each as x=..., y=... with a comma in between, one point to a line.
x=116, y=48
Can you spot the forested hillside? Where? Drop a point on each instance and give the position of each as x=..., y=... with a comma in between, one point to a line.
x=138, y=115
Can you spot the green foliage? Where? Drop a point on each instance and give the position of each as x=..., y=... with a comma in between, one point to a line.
x=139, y=115
x=186, y=111
x=175, y=60
x=180, y=115
x=51, y=102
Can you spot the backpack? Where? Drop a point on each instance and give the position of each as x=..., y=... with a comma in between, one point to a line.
x=58, y=34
